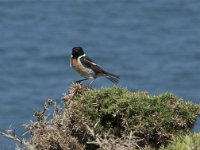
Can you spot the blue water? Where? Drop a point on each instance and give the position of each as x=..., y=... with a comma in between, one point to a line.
x=153, y=45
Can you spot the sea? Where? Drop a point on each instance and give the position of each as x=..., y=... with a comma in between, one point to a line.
x=153, y=45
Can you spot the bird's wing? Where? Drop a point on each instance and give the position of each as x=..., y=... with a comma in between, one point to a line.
x=89, y=63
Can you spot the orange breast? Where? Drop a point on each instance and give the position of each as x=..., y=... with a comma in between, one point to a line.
x=75, y=64
x=85, y=72
x=78, y=67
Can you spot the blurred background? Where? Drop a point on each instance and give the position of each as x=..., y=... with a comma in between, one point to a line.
x=153, y=45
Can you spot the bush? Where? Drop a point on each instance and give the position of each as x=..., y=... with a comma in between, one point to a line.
x=110, y=119
x=155, y=119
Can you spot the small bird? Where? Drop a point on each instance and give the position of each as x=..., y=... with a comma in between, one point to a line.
x=87, y=68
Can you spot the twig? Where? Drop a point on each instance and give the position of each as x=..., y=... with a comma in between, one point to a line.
x=12, y=137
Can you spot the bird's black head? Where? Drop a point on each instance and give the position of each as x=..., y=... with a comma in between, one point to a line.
x=77, y=51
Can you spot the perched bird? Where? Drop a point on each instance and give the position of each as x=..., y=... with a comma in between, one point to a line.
x=87, y=68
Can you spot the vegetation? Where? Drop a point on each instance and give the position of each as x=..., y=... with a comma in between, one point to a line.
x=153, y=119
x=187, y=142
x=110, y=119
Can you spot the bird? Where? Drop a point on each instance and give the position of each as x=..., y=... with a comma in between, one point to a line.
x=87, y=68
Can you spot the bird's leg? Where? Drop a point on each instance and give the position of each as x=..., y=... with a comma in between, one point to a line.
x=79, y=81
x=91, y=82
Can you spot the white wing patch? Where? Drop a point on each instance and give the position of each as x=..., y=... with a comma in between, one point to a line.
x=91, y=62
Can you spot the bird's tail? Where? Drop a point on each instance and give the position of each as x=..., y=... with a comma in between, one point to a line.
x=112, y=77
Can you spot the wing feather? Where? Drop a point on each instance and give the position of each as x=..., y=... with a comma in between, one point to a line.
x=89, y=63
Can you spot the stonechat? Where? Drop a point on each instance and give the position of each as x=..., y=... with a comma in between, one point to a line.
x=87, y=68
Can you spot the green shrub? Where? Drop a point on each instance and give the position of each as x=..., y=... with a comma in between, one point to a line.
x=112, y=119
x=156, y=119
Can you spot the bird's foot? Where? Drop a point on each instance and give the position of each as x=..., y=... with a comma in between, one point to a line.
x=79, y=81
